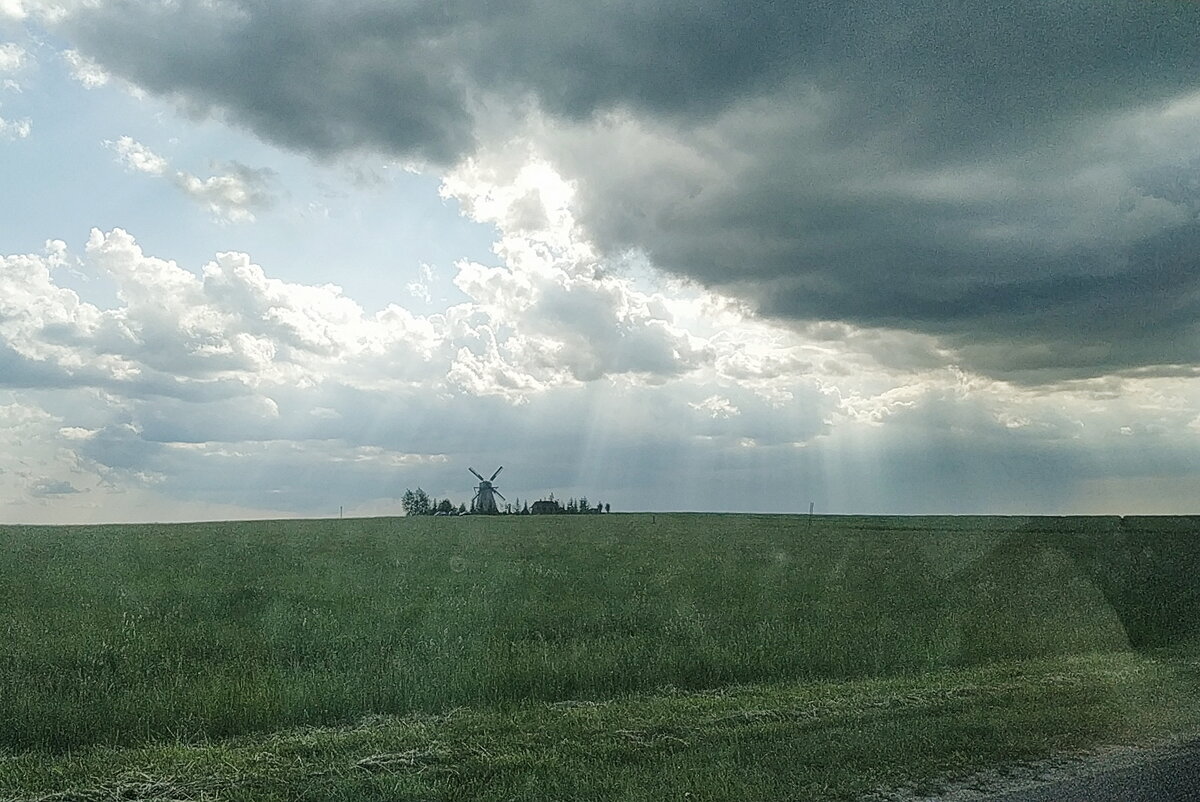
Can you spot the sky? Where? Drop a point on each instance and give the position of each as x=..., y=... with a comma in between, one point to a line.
x=268, y=259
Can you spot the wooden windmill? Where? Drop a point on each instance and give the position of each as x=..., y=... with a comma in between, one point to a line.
x=485, y=494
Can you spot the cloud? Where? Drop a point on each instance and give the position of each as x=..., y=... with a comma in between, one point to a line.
x=231, y=197
x=1000, y=179
x=138, y=157
x=51, y=487
x=1038, y=269
x=84, y=70
x=225, y=391
x=12, y=57
x=420, y=289
x=33, y=469
x=420, y=104
x=715, y=406
x=568, y=319
x=546, y=319
x=229, y=367
x=13, y=9
x=15, y=129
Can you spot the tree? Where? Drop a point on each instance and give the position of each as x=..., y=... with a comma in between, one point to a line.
x=608, y=508
x=421, y=503
x=583, y=505
x=416, y=502
x=462, y=509
x=446, y=507
x=525, y=509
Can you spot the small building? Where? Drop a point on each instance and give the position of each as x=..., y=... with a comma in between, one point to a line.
x=545, y=507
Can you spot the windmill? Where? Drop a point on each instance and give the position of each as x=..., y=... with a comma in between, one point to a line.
x=485, y=494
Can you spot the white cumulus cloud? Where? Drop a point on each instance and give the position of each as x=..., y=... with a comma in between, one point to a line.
x=716, y=406
x=12, y=57
x=15, y=129
x=84, y=70
x=138, y=157
x=13, y=9
x=232, y=196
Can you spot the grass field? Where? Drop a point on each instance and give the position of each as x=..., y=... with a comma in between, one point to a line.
x=460, y=645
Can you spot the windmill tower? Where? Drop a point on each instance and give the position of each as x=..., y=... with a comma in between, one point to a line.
x=485, y=493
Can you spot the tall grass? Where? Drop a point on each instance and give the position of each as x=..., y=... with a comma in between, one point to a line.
x=122, y=634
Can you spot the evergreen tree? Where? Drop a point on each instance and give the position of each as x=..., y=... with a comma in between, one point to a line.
x=462, y=509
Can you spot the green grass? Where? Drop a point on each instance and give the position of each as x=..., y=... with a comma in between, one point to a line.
x=802, y=741
x=193, y=639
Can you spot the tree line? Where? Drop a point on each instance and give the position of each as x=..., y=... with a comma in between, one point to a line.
x=418, y=502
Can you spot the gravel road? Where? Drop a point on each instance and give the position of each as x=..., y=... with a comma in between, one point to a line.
x=1172, y=775
x=1166, y=772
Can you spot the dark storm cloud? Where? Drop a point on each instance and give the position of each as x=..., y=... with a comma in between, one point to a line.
x=327, y=77
x=957, y=77
x=929, y=166
x=323, y=77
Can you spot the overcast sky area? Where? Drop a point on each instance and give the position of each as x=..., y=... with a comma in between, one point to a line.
x=266, y=258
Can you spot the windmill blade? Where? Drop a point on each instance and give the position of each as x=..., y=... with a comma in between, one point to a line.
x=477, y=476
x=494, y=475
x=498, y=493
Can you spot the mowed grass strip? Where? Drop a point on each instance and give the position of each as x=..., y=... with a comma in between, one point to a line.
x=801, y=741
x=131, y=634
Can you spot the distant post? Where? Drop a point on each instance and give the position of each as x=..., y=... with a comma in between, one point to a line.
x=810, y=512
